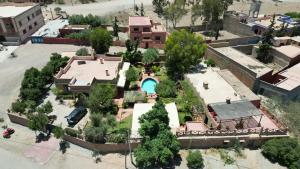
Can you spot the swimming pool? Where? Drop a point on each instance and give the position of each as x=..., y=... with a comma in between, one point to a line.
x=148, y=85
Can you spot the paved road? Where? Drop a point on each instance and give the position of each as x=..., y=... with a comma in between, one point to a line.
x=101, y=8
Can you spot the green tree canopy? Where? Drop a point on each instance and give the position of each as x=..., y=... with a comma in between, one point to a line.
x=101, y=98
x=45, y=108
x=175, y=11
x=159, y=6
x=132, y=74
x=150, y=55
x=38, y=122
x=93, y=20
x=183, y=51
x=166, y=88
x=18, y=107
x=101, y=40
x=132, y=54
x=195, y=160
x=58, y=132
x=116, y=28
x=285, y=151
x=82, y=52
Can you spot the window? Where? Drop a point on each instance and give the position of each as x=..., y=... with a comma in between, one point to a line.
x=28, y=18
x=136, y=38
x=135, y=29
x=30, y=27
x=157, y=37
x=35, y=23
x=20, y=23
x=32, y=15
x=146, y=29
x=146, y=37
x=38, y=12
x=24, y=31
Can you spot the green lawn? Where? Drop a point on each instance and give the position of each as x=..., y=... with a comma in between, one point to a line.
x=125, y=123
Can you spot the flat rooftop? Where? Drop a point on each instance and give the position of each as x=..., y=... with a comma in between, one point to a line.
x=85, y=71
x=296, y=38
x=244, y=60
x=218, y=89
x=14, y=9
x=290, y=51
x=51, y=28
x=292, y=79
x=158, y=28
x=142, y=108
x=265, y=22
x=139, y=21
x=240, y=88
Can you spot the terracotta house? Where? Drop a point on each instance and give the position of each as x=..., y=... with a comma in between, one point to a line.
x=150, y=34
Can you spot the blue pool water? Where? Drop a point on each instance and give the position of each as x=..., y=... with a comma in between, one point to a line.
x=148, y=86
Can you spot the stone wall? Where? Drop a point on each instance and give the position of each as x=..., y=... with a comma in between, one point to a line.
x=233, y=25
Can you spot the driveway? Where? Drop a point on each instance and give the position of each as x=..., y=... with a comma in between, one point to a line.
x=12, y=69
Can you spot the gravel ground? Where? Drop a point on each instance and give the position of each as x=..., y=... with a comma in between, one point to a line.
x=12, y=69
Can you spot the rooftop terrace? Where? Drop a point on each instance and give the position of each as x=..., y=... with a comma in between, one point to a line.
x=290, y=51
x=292, y=78
x=139, y=21
x=14, y=9
x=51, y=28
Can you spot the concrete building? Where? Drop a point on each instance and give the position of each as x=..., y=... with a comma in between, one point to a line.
x=49, y=30
x=285, y=84
x=82, y=72
x=150, y=34
x=68, y=29
x=18, y=21
x=246, y=68
x=142, y=108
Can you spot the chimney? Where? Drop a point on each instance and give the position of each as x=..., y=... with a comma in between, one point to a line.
x=228, y=100
x=205, y=85
x=107, y=73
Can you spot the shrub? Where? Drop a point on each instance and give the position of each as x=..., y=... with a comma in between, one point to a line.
x=95, y=134
x=93, y=20
x=166, y=88
x=46, y=108
x=71, y=132
x=195, y=160
x=132, y=74
x=82, y=52
x=18, y=107
x=210, y=62
x=150, y=56
x=83, y=35
x=285, y=151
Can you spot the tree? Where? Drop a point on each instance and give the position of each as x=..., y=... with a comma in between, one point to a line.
x=58, y=132
x=46, y=108
x=101, y=40
x=159, y=6
x=116, y=28
x=263, y=53
x=132, y=54
x=101, y=98
x=142, y=12
x=57, y=10
x=175, y=11
x=285, y=151
x=82, y=52
x=268, y=36
x=18, y=107
x=159, y=146
x=196, y=12
x=94, y=21
x=166, y=88
x=38, y=122
x=195, y=160
x=150, y=56
x=183, y=51
x=132, y=74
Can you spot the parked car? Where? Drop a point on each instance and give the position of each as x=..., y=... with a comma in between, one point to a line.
x=76, y=115
x=7, y=132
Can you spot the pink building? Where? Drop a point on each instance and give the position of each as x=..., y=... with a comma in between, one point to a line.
x=150, y=34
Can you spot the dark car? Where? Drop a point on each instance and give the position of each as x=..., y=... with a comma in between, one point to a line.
x=76, y=115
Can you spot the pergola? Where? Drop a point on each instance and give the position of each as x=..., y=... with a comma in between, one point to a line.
x=236, y=113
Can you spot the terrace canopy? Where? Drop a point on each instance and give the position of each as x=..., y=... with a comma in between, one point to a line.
x=235, y=111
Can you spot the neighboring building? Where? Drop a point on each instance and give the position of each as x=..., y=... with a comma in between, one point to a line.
x=285, y=84
x=246, y=68
x=142, y=108
x=33, y=1
x=50, y=30
x=217, y=86
x=82, y=72
x=68, y=29
x=150, y=34
x=18, y=21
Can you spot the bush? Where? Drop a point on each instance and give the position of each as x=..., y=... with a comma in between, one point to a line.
x=210, y=63
x=195, y=160
x=166, y=88
x=132, y=74
x=82, y=52
x=94, y=21
x=46, y=108
x=18, y=107
x=150, y=56
x=83, y=35
x=293, y=14
x=71, y=132
x=95, y=134
x=285, y=151
x=118, y=136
